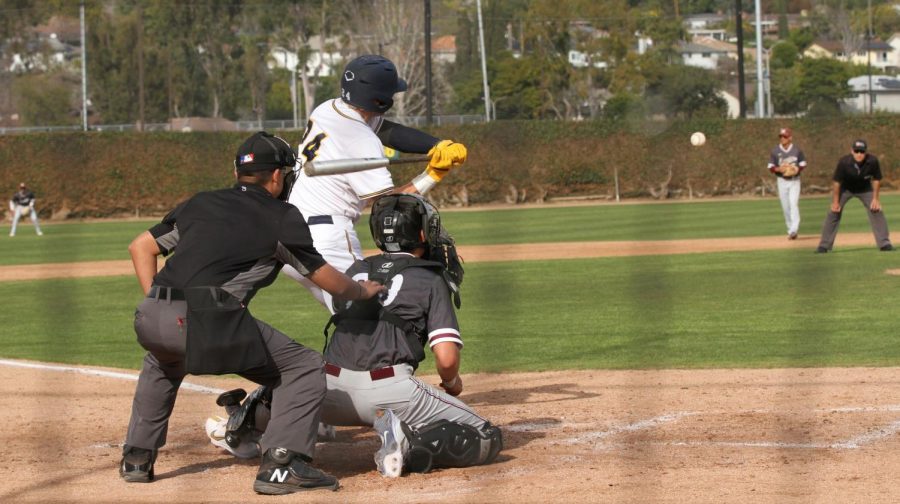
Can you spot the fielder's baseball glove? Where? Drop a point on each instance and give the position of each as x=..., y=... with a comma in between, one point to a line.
x=789, y=170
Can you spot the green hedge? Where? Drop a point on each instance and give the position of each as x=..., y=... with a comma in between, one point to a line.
x=101, y=174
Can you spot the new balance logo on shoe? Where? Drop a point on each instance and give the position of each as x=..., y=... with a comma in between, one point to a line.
x=279, y=474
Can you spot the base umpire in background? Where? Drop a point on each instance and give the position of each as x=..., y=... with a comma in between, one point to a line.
x=231, y=243
x=857, y=175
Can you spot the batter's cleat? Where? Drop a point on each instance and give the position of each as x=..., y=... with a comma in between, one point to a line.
x=394, y=445
x=215, y=430
x=821, y=250
x=283, y=472
x=887, y=248
x=137, y=465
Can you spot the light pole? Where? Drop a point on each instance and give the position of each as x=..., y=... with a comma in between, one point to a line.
x=869, y=58
x=759, y=49
x=487, y=89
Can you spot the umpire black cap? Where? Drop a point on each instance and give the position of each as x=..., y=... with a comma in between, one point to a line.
x=369, y=82
x=859, y=145
x=264, y=151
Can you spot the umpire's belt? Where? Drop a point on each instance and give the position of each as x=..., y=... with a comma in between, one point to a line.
x=375, y=374
x=169, y=293
x=319, y=219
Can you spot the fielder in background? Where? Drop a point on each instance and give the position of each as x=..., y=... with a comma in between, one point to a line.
x=21, y=203
x=377, y=346
x=787, y=162
x=353, y=126
x=858, y=175
x=230, y=243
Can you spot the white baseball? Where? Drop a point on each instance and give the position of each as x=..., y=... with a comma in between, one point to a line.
x=698, y=139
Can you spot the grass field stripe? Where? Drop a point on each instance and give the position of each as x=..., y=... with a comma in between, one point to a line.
x=101, y=373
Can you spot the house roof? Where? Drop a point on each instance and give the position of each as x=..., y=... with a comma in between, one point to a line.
x=446, y=44
x=838, y=46
x=879, y=83
x=830, y=45
x=690, y=47
x=715, y=44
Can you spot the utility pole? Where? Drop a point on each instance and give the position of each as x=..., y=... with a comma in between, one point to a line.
x=739, y=23
x=869, y=60
x=759, y=55
x=487, y=90
x=84, y=122
x=428, y=95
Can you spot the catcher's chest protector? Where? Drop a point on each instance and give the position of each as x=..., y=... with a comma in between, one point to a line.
x=382, y=269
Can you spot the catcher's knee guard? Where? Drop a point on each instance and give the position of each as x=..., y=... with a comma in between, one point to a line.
x=452, y=444
x=242, y=422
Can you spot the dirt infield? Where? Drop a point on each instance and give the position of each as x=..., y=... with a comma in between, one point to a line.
x=778, y=435
x=734, y=435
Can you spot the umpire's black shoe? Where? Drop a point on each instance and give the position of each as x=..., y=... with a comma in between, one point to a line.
x=821, y=250
x=137, y=464
x=283, y=472
x=887, y=248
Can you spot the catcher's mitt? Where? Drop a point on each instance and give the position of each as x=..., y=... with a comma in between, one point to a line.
x=789, y=170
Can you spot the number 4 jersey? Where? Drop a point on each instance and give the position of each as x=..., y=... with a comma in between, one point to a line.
x=337, y=131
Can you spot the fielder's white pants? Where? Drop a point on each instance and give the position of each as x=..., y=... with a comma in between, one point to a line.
x=789, y=194
x=18, y=213
x=339, y=245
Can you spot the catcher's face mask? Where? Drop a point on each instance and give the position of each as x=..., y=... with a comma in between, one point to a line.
x=290, y=177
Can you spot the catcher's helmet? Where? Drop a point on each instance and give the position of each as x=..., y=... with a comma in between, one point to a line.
x=398, y=221
x=369, y=82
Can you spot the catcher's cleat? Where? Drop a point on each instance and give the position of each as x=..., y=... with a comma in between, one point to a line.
x=283, y=471
x=326, y=433
x=137, y=464
x=215, y=430
x=389, y=458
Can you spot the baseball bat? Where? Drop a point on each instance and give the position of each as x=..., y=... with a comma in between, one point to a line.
x=315, y=168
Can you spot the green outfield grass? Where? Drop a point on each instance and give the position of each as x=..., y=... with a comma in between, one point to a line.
x=650, y=221
x=783, y=308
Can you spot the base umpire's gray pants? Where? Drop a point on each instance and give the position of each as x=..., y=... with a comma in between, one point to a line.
x=876, y=220
x=294, y=372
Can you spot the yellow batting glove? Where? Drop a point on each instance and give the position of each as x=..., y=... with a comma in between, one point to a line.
x=445, y=155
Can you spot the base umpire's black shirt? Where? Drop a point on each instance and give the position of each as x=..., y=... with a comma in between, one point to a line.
x=237, y=239
x=857, y=177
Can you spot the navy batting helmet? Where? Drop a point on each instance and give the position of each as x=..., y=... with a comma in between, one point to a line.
x=398, y=221
x=369, y=82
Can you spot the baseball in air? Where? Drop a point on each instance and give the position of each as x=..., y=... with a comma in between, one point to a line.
x=698, y=139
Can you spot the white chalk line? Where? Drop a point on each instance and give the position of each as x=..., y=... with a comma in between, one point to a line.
x=101, y=373
x=852, y=443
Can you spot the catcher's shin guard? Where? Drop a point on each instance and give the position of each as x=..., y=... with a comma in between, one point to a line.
x=452, y=444
x=242, y=422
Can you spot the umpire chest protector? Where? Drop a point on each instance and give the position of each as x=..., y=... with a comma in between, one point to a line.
x=382, y=269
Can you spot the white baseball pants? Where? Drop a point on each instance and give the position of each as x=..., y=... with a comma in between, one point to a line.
x=339, y=245
x=789, y=194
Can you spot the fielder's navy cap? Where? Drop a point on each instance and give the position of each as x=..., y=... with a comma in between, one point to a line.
x=263, y=151
x=860, y=145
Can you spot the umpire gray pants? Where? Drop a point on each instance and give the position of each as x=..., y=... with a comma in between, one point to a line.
x=295, y=374
x=876, y=220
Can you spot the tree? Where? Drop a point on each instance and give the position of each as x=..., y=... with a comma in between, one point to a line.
x=784, y=54
x=44, y=100
x=823, y=82
x=685, y=91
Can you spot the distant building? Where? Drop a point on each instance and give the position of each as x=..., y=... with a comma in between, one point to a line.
x=885, y=94
x=880, y=54
x=705, y=55
x=324, y=57
x=443, y=49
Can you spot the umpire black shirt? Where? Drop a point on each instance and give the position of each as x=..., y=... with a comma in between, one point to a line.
x=857, y=177
x=237, y=239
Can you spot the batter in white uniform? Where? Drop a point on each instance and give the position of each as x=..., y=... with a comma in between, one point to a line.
x=349, y=127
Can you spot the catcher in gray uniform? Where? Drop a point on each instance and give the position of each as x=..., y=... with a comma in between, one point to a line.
x=376, y=347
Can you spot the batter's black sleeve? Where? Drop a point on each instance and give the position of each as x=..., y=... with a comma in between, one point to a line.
x=295, y=244
x=406, y=139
